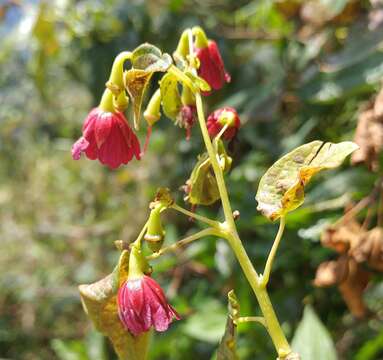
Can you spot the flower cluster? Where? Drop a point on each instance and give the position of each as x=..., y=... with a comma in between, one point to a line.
x=107, y=136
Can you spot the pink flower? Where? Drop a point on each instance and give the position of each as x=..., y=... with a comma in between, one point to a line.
x=107, y=137
x=142, y=304
x=212, y=68
x=221, y=117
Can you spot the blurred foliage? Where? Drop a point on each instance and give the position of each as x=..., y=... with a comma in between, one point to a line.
x=301, y=71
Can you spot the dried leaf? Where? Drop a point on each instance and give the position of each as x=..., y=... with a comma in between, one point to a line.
x=369, y=135
x=281, y=189
x=100, y=304
x=343, y=237
x=370, y=249
x=330, y=273
x=170, y=95
x=353, y=287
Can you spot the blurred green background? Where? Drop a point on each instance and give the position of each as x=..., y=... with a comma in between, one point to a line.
x=299, y=72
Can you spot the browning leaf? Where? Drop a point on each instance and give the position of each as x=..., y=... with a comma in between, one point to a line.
x=136, y=82
x=281, y=188
x=100, y=304
x=330, y=273
x=369, y=135
x=146, y=59
x=353, y=287
x=343, y=237
x=227, y=346
x=370, y=249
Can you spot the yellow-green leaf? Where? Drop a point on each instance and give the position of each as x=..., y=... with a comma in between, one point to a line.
x=100, y=304
x=281, y=188
x=170, y=95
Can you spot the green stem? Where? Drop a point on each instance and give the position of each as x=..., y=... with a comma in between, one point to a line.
x=269, y=263
x=185, y=241
x=230, y=230
x=106, y=103
x=245, y=319
x=216, y=168
x=212, y=223
x=116, y=75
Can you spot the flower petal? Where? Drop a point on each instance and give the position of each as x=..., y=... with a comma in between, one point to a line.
x=79, y=147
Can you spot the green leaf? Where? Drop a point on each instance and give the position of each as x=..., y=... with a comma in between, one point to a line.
x=100, y=304
x=281, y=188
x=311, y=339
x=170, y=96
x=357, y=78
x=207, y=323
x=149, y=58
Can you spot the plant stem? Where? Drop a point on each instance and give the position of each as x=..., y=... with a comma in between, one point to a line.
x=229, y=230
x=185, y=241
x=269, y=263
x=212, y=223
x=216, y=168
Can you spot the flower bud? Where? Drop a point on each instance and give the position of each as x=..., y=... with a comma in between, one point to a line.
x=211, y=68
x=155, y=234
x=152, y=113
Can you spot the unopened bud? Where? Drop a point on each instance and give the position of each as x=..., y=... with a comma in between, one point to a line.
x=152, y=113
x=155, y=234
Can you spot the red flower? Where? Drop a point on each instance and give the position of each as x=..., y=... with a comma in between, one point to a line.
x=142, y=304
x=211, y=66
x=107, y=137
x=219, y=118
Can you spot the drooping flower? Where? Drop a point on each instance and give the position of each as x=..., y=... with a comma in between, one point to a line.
x=212, y=68
x=221, y=117
x=142, y=305
x=186, y=118
x=107, y=137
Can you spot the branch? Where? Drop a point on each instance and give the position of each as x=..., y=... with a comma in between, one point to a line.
x=185, y=241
